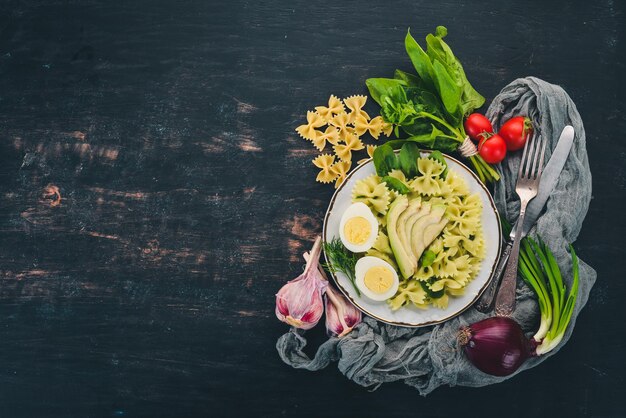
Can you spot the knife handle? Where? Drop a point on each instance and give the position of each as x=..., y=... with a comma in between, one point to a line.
x=485, y=303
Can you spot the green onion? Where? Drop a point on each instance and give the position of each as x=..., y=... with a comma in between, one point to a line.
x=540, y=271
x=497, y=345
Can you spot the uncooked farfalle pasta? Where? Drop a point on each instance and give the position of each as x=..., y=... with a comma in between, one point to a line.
x=324, y=162
x=351, y=143
x=345, y=122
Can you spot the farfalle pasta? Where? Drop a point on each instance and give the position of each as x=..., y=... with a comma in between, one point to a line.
x=382, y=249
x=387, y=129
x=345, y=122
x=355, y=104
x=374, y=126
x=410, y=292
x=344, y=151
x=334, y=107
x=370, y=153
x=459, y=249
x=341, y=121
x=331, y=134
x=373, y=192
x=324, y=162
x=429, y=182
x=340, y=169
x=308, y=131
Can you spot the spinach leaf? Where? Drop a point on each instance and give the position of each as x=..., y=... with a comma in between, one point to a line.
x=421, y=61
x=438, y=49
x=450, y=94
x=385, y=160
x=396, y=185
x=429, y=106
x=429, y=292
x=425, y=101
x=409, y=153
x=411, y=80
x=435, y=139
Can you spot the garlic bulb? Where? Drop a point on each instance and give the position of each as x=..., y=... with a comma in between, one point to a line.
x=299, y=302
x=341, y=315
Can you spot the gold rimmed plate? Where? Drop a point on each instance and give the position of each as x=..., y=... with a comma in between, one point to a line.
x=410, y=316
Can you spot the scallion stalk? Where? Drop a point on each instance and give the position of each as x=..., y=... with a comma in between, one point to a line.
x=540, y=271
x=497, y=345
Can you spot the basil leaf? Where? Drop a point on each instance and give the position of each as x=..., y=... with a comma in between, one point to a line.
x=424, y=101
x=379, y=87
x=396, y=185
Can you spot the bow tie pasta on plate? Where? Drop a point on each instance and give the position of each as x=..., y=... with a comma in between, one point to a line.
x=454, y=255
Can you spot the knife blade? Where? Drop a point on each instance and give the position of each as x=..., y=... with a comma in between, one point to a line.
x=549, y=178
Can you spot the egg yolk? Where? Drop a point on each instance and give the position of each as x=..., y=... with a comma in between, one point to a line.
x=357, y=230
x=378, y=279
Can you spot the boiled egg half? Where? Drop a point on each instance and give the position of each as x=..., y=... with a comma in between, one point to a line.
x=376, y=278
x=358, y=228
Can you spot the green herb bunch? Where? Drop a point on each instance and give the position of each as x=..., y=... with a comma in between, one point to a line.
x=430, y=106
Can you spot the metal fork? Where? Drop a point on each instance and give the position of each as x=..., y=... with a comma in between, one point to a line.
x=526, y=188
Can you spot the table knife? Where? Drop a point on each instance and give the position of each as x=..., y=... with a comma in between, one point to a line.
x=549, y=178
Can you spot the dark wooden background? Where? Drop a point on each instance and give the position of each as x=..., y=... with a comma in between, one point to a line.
x=186, y=198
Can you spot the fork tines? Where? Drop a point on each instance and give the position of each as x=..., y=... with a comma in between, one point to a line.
x=534, y=151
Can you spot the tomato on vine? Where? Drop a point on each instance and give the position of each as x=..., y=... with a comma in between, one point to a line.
x=476, y=125
x=515, y=132
x=492, y=148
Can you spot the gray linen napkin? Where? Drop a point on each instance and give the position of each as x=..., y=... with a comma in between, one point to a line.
x=426, y=358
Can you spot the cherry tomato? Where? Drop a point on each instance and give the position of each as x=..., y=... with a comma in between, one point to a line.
x=475, y=125
x=515, y=132
x=492, y=149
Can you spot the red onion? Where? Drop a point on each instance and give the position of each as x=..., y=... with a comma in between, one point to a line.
x=496, y=346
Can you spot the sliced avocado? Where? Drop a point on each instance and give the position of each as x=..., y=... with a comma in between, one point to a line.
x=412, y=209
x=424, y=210
x=399, y=205
x=432, y=231
x=422, y=234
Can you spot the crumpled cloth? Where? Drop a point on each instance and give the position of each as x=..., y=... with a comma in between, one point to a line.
x=426, y=358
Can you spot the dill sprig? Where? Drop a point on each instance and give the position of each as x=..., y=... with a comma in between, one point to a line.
x=341, y=260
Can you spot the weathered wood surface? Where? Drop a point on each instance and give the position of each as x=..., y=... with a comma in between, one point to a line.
x=154, y=196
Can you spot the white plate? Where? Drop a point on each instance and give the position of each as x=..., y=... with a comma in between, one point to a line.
x=410, y=316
